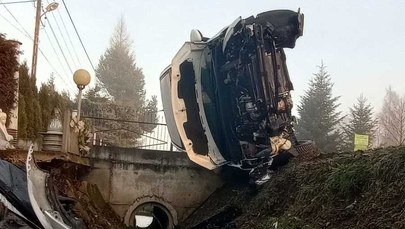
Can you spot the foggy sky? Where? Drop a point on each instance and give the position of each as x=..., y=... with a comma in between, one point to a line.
x=361, y=42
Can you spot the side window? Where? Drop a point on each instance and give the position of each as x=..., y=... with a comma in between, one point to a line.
x=165, y=87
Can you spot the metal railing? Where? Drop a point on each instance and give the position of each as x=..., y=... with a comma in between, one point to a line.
x=150, y=130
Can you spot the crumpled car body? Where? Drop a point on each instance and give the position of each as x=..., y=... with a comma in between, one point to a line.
x=14, y=193
x=50, y=212
x=227, y=99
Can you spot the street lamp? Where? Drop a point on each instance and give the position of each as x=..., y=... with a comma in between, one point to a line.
x=52, y=6
x=82, y=79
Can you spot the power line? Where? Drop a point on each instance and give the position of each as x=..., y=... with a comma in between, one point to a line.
x=54, y=51
x=70, y=40
x=84, y=48
x=64, y=41
x=5, y=3
x=63, y=38
x=54, y=69
x=40, y=50
x=77, y=33
x=15, y=27
x=25, y=33
x=15, y=19
x=60, y=48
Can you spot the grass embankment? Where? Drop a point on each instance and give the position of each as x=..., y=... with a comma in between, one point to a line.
x=357, y=190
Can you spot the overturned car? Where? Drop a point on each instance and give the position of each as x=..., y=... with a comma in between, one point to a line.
x=227, y=99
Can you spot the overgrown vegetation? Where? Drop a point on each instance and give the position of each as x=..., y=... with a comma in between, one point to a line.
x=356, y=190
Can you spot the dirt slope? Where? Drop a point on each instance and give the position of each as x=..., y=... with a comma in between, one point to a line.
x=357, y=190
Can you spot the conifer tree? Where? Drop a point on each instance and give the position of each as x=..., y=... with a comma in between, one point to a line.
x=118, y=71
x=361, y=121
x=35, y=118
x=318, y=116
x=124, y=81
x=26, y=97
x=22, y=118
x=150, y=114
x=50, y=99
x=31, y=110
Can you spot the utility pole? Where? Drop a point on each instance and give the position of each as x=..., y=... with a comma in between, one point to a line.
x=36, y=39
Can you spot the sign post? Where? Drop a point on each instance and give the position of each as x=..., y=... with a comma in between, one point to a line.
x=360, y=142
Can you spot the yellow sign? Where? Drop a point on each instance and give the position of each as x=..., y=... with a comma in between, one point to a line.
x=360, y=142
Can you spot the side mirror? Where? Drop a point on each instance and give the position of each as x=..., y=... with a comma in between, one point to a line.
x=196, y=36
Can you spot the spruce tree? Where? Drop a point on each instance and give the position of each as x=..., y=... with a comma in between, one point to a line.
x=118, y=72
x=124, y=81
x=361, y=121
x=318, y=116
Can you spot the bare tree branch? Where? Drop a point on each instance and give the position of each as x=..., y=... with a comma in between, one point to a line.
x=392, y=119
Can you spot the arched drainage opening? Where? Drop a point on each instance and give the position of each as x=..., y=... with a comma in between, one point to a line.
x=152, y=215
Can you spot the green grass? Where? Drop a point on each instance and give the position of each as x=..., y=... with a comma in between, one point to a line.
x=348, y=180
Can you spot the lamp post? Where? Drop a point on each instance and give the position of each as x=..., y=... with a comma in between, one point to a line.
x=82, y=79
x=52, y=6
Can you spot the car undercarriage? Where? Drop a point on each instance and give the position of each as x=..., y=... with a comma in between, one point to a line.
x=253, y=85
x=230, y=94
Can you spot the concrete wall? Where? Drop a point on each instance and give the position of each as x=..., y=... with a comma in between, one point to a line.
x=128, y=176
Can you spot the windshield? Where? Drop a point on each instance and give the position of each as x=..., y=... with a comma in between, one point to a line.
x=167, y=107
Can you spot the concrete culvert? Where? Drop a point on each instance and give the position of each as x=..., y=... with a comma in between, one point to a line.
x=151, y=215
